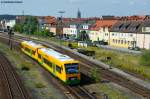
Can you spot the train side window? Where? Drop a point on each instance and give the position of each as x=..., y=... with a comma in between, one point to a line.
x=39, y=56
x=28, y=50
x=33, y=52
x=62, y=68
x=58, y=69
x=47, y=62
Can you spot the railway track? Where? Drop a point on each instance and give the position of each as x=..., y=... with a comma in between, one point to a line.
x=80, y=92
x=12, y=82
x=106, y=73
x=71, y=92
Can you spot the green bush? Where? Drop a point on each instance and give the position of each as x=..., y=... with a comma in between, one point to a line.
x=24, y=68
x=145, y=58
x=40, y=85
x=95, y=75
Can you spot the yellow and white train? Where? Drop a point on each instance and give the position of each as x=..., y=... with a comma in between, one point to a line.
x=62, y=66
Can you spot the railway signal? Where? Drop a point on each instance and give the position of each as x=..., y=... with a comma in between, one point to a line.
x=10, y=33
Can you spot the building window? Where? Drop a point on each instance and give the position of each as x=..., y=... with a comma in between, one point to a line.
x=121, y=41
x=128, y=42
x=132, y=42
x=103, y=29
x=75, y=31
x=125, y=42
x=58, y=69
x=113, y=40
x=131, y=35
x=106, y=34
x=118, y=41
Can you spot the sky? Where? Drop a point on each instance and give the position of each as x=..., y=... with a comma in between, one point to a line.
x=88, y=8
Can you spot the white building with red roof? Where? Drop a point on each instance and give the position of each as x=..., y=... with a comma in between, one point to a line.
x=100, y=30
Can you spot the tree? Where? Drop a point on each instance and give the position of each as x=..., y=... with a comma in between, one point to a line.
x=45, y=32
x=83, y=36
x=18, y=28
x=96, y=75
x=30, y=25
x=145, y=58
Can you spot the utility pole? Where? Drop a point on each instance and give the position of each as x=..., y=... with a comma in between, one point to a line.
x=23, y=17
x=10, y=33
x=61, y=22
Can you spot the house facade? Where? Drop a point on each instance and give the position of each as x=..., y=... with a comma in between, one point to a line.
x=134, y=33
x=53, y=29
x=9, y=22
x=70, y=30
x=46, y=22
x=100, y=30
x=73, y=28
x=94, y=35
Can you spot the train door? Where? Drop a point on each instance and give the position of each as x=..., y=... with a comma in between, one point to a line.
x=39, y=57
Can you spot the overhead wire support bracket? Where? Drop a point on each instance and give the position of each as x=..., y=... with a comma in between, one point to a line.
x=11, y=1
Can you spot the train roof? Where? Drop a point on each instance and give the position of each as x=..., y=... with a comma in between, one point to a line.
x=57, y=55
x=33, y=44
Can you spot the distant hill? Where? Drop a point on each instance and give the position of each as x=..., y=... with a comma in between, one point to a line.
x=5, y=16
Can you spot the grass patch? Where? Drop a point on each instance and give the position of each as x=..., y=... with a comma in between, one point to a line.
x=95, y=75
x=145, y=58
x=111, y=92
x=40, y=85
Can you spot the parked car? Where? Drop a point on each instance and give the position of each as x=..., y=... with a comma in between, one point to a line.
x=134, y=48
x=64, y=38
x=100, y=42
x=86, y=52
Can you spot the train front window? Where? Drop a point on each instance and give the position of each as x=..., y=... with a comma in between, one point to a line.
x=72, y=68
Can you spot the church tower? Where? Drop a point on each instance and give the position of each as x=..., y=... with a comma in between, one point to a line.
x=78, y=14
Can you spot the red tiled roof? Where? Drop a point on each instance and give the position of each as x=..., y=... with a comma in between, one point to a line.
x=48, y=19
x=67, y=20
x=103, y=23
x=136, y=17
